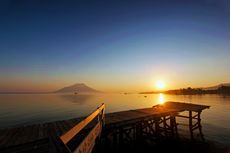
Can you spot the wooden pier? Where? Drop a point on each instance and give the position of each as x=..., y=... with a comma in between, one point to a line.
x=113, y=129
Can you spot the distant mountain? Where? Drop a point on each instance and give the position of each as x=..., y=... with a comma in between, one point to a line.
x=217, y=86
x=77, y=88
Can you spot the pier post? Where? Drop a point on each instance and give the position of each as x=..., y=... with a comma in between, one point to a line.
x=200, y=126
x=173, y=125
x=157, y=127
x=165, y=126
x=121, y=136
x=190, y=125
x=138, y=135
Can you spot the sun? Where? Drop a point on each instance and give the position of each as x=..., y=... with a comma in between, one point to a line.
x=160, y=84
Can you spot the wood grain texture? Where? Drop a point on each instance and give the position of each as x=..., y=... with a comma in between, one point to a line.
x=77, y=128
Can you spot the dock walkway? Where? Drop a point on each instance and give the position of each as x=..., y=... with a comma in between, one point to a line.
x=119, y=127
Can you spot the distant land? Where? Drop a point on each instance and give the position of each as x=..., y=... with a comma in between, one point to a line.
x=223, y=88
x=75, y=89
x=217, y=86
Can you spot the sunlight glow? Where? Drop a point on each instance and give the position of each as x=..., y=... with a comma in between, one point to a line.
x=161, y=98
x=160, y=84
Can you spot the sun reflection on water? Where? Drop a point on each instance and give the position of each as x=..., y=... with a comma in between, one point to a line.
x=161, y=98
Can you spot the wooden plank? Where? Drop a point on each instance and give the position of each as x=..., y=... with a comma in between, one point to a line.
x=38, y=146
x=88, y=143
x=185, y=106
x=7, y=140
x=18, y=137
x=127, y=115
x=158, y=111
x=72, y=132
x=124, y=117
x=3, y=135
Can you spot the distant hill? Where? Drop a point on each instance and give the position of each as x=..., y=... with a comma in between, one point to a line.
x=77, y=88
x=216, y=87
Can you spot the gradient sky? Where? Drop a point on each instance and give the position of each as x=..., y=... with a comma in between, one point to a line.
x=113, y=45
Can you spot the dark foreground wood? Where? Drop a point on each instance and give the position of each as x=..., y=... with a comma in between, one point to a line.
x=120, y=128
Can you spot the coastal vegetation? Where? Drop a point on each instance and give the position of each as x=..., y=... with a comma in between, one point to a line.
x=197, y=91
x=225, y=90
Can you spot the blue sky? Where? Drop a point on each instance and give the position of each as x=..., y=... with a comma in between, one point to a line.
x=113, y=45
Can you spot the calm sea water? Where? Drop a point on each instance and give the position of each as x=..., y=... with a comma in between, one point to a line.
x=24, y=109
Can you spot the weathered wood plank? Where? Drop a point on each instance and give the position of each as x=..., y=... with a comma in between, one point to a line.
x=35, y=146
x=88, y=143
x=72, y=132
x=185, y=106
x=115, y=118
x=10, y=134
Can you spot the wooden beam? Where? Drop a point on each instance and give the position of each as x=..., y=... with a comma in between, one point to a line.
x=77, y=128
x=88, y=143
x=182, y=116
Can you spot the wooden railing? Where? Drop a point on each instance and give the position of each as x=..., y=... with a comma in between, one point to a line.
x=88, y=142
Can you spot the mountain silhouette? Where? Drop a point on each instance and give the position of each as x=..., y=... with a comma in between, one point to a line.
x=77, y=88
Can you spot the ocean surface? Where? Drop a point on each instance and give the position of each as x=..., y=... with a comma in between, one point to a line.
x=25, y=109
